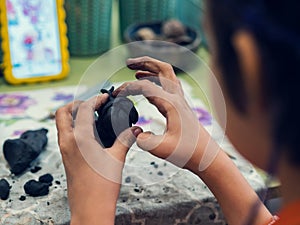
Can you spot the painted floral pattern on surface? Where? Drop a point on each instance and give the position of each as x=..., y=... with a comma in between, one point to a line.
x=203, y=116
x=143, y=121
x=15, y=104
x=63, y=97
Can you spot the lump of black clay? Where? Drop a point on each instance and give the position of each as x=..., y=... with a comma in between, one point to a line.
x=46, y=178
x=4, y=189
x=35, y=188
x=116, y=115
x=19, y=153
x=35, y=169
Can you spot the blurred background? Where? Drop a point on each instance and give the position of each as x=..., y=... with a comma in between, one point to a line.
x=96, y=26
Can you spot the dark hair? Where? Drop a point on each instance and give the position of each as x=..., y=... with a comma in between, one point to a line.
x=275, y=25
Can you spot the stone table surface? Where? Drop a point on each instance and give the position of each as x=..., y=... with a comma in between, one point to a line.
x=153, y=190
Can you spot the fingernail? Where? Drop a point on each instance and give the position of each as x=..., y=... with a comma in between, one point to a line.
x=136, y=131
x=128, y=61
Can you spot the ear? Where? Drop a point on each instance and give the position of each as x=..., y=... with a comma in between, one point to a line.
x=250, y=65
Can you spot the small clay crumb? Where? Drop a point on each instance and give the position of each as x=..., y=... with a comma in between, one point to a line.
x=154, y=164
x=205, y=200
x=57, y=182
x=166, y=189
x=22, y=198
x=127, y=179
x=212, y=216
x=231, y=156
x=158, y=201
x=159, y=173
x=4, y=189
x=35, y=169
x=36, y=188
x=46, y=178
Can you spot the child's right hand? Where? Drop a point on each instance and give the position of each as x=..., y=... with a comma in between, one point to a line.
x=184, y=140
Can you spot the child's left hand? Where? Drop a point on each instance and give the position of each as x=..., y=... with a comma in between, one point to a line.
x=93, y=173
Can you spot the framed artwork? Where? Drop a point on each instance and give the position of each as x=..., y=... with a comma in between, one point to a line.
x=34, y=41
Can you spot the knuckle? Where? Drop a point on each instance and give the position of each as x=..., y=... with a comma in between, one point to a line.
x=167, y=67
x=127, y=137
x=60, y=111
x=145, y=83
x=124, y=88
x=146, y=58
x=84, y=105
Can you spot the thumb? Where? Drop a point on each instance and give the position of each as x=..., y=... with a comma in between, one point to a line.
x=124, y=141
x=148, y=141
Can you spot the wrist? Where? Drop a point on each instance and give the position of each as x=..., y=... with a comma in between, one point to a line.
x=94, y=215
x=205, y=153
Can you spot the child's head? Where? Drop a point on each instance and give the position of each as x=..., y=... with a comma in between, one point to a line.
x=256, y=47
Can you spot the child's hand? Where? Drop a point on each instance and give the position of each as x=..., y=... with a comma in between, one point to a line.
x=93, y=173
x=184, y=140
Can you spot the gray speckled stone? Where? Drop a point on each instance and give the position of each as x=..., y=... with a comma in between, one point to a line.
x=50, y=209
x=153, y=191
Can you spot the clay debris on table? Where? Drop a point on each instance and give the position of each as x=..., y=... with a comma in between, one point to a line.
x=19, y=153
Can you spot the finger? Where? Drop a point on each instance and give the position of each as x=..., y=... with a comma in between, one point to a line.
x=140, y=87
x=149, y=141
x=144, y=63
x=64, y=116
x=124, y=141
x=75, y=107
x=145, y=75
x=140, y=74
x=157, y=68
x=156, y=96
x=85, y=117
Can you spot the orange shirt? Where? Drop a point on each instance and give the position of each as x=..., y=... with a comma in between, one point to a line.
x=289, y=215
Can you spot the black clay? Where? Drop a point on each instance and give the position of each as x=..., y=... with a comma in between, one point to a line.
x=19, y=153
x=116, y=115
x=4, y=189
x=36, y=188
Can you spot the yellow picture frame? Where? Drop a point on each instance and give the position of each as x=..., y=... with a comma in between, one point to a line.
x=28, y=57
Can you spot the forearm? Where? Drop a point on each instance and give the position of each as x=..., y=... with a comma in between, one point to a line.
x=234, y=194
x=94, y=210
x=93, y=202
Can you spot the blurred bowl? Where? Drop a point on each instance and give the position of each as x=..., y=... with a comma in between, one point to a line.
x=181, y=55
